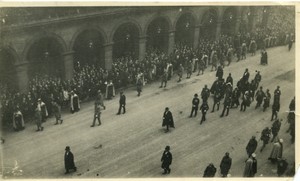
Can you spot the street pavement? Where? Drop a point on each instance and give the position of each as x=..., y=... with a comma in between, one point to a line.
x=130, y=145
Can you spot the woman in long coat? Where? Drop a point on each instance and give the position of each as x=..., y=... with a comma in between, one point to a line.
x=276, y=152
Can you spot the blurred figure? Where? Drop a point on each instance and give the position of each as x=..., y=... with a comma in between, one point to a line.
x=166, y=160
x=210, y=171
x=69, y=161
x=225, y=165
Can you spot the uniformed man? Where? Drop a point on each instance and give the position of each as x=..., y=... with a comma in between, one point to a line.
x=168, y=119
x=275, y=128
x=265, y=137
x=277, y=94
x=217, y=99
x=97, y=113
x=57, y=112
x=235, y=97
x=275, y=109
x=195, y=105
x=164, y=79
x=204, y=108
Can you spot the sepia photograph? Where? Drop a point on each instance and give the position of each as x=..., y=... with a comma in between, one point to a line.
x=98, y=91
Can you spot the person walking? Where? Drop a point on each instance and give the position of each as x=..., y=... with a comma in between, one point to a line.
x=259, y=97
x=267, y=99
x=210, y=171
x=180, y=72
x=204, y=108
x=18, y=120
x=122, y=103
x=69, y=160
x=166, y=160
x=168, y=119
x=265, y=137
x=227, y=105
x=225, y=165
x=275, y=128
x=251, y=146
x=164, y=79
x=250, y=166
x=282, y=165
x=38, y=119
x=57, y=112
x=97, y=114
x=195, y=105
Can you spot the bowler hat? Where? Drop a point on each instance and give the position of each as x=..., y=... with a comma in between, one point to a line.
x=67, y=148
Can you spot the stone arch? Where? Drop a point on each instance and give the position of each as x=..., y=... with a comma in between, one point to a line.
x=184, y=28
x=209, y=22
x=84, y=28
x=157, y=31
x=12, y=51
x=155, y=17
x=229, y=20
x=126, y=40
x=125, y=21
x=44, y=34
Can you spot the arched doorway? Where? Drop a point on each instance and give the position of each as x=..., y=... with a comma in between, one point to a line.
x=126, y=41
x=229, y=21
x=209, y=24
x=44, y=57
x=185, y=28
x=8, y=80
x=158, y=34
x=88, y=48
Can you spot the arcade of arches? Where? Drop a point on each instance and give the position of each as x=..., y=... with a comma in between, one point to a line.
x=58, y=57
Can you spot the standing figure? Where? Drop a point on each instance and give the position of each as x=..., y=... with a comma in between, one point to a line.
x=267, y=99
x=292, y=105
x=291, y=121
x=100, y=99
x=214, y=60
x=201, y=66
x=282, y=165
x=246, y=76
x=164, y=79
x=235, y=97
x=43, y=109
x=75, y=105
x=139, y=85
x=264, y=57
x=227, y=105
x=251, y=146
x=57, y=112
x=250, y=166
x=253, y=47
x=210, y=171
x=257, y=79
x=290, y=44
x=38, y=119
x=275, y=110
x=189, y=69
x=225, y=164
x=18, y=121
x=166, y=160
x=97, y=113
x=219, y=72
x=69, y=160
x=217, y=99
x=205, y=93
x=276, y=152
x=275, y=129
x=259, y=97
x=265, y=137
x=204, y=108
x=195, y=105
x=277, y=94
x=180, y=72
x=229, y=79
x=246, y=101
x=244, y=50
x=229, y=54
x=122, y=103
x=168, y=119
x=110, y=90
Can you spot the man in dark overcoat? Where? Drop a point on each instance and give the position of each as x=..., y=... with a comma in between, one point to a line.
x=251, y=146
x=225, y=164
x=259, y=97
x=166, y=160
x=210, y=171
x=205, y=93
x=122, y=103
x=219, y=72
x=204, y=108
x=265, y=137
x=275, y=129
x=227, y=105
x=69, y=160
x=267, y=99
x=168, y=119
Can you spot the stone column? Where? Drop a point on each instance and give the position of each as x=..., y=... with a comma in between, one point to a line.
x=218, y=30
x=238, y=20
x=108, y=55
x=254, y=19
x=171, y=41
x=68, y=58
x=196, y=36
x=22, y=76
x=142, y=47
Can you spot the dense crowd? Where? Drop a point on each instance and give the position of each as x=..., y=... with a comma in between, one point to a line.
x=88, y=79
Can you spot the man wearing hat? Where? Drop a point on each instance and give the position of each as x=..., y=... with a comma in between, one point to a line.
x=225, y=164
x=251, y=166
x=166, y=160
x=122, y=103
x=275, y=128
x=204, y=108
x=38, y=119
x=259, y=97
x=210, y=171
x=75, y=106
x=43, y=109
x=57, y=112
x=195, y=105
x=69, y=160
x=251, y=146
x=168, y=119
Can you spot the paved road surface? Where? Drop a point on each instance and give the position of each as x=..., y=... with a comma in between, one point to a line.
x=132, y=144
